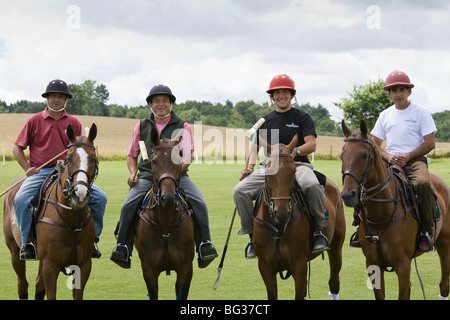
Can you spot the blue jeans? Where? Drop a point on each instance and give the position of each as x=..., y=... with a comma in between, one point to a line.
x=31, y=185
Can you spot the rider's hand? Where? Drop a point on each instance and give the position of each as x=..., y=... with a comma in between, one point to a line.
x=396, y=159
x=31, y=171
x=132, y=180
x=245, y=173
x=59, y=163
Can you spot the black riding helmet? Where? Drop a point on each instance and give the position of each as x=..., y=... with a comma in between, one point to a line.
x=57, y=86
x=160, y=89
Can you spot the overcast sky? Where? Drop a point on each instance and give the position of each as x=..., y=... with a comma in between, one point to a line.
x=218, y=50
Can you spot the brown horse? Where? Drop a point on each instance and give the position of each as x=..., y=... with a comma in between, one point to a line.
x=64, y=228
x=387, y=230
x=281, y=227
x=165, y=231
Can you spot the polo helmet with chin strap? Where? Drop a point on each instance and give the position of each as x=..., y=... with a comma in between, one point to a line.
x=160, y=89
x=57, y=86
x=397, y=79
x=282, y=81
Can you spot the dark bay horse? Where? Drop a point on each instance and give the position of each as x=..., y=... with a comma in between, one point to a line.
x=165, y=231
x=281, y=232
x=64, y=228
x=388, y=230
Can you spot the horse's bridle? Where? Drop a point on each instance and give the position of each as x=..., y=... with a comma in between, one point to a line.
x=363, y=196
x=157, y=180
x=363, y=192
x=69, y=181
x=268, y=199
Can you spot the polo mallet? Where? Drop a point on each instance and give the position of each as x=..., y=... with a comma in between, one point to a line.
x=23, y=178
x=144, y=156
x=253, y=130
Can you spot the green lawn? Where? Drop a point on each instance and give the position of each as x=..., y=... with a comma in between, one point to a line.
x=240, y=278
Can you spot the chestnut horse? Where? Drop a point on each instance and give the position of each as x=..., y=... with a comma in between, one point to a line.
x=64, y=228
x=281, y=231
x=387, y=229
x=165, y=230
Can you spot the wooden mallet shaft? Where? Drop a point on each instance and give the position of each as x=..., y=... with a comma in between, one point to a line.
x=144, y=156
x=23, y=178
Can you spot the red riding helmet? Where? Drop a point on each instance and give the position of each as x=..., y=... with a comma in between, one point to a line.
x=396, y=79
x=282, y=81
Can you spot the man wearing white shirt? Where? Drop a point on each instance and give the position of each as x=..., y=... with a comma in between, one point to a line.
x=409, y=131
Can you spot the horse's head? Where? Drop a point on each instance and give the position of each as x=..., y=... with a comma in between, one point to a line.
x=81, y=166
x=166, y=166
x=280, y=177
x=358, y=157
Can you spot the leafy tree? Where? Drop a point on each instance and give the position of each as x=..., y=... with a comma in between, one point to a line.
x=365, y=102
x=442, y=121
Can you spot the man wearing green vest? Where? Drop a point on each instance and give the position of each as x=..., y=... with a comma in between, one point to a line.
x=160, y=100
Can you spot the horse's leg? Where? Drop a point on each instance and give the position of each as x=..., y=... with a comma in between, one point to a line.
x=377, y=280
x=299, y=275
x=40, y=290
x=85, y=271
x=183, y=283
x=151, y=280
x=20, y=269
x=50, y=275
x=269, y=278
x=443, y=250
x=403, y=272
x=335, y=262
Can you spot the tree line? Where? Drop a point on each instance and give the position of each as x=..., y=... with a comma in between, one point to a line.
x=364, y=102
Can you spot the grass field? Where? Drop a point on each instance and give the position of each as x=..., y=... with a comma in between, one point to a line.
x=240, y=279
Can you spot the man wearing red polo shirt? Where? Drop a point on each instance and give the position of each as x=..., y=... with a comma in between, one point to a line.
x=45, y=136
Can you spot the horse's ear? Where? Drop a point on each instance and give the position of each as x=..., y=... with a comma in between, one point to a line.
x=363, y=128
x=293, y=143
x=70, y=133
x=154, y=136
x=178, y=135
x=345, y=129
x=93, y=132
x=263, y=143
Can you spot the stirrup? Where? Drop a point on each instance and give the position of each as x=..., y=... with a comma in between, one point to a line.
x=428, y=239
x=326, y=246
x=22, y=253
x=250, y=251
x=119, y=245
x=354, y=239
x=209, y=256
